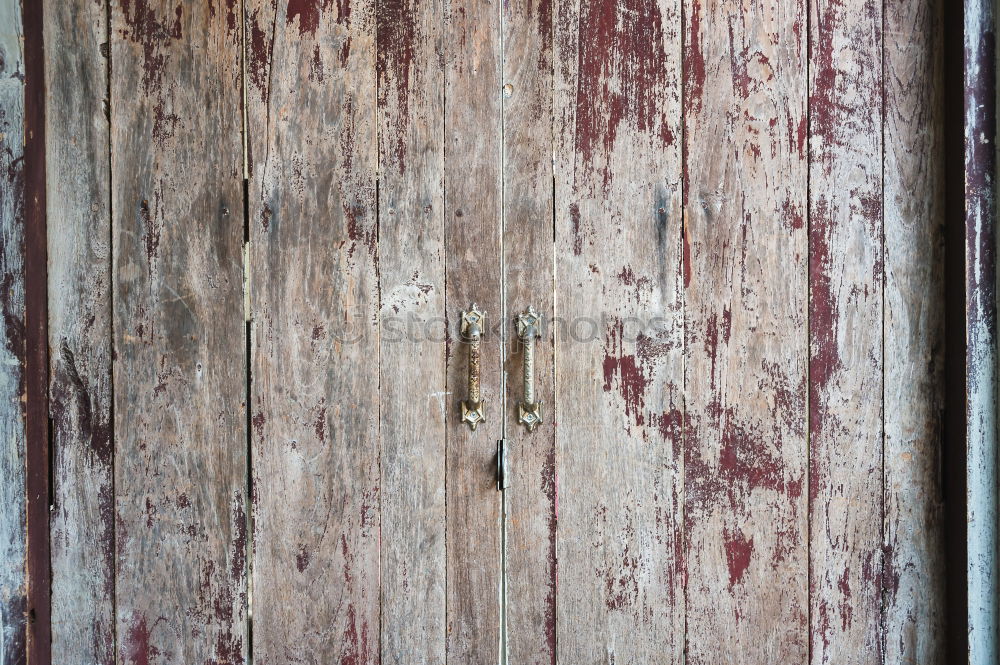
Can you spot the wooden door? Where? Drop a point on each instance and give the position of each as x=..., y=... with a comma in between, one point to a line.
x=265, y=220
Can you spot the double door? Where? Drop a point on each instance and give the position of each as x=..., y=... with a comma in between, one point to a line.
x=283, y=235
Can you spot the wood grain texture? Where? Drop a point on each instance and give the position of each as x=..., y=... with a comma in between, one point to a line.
x=13, y=599
x=845, y=331
x=315, y=337
x=79, y=199
x=619, y=377
x=315, y=343
x=529, y=502
x=746, y=345
x=981, y=379
x=915, y=575
x=179, y=373
x=472, y=256
x=415, y=405
x=36, y=397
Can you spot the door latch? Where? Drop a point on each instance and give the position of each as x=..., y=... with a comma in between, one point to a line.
x=503, y=478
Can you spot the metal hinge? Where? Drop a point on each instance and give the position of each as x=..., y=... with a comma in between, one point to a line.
x=503, y=477
x=246, y=281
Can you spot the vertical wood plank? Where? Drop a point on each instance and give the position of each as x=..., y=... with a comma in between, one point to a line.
x=981, y=380
x=530, y=501
x=845, y=330
x=746, y=344
x=13, y=590
x=619, y=378
x=473, y=250
x=36, y=366
x=416, y=407
x=315, y=338
x=79, y=199
x=914, y=578
x=179, y=374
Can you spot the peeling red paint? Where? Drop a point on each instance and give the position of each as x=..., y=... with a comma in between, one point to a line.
x=151, y=31
x=265, y=217
x=164, y=124
x=669, y=424
x=316, y=66
x=355, y=650
x=357, y=233
x=686, y=258
x=302, y=558
x=548, y=487
x=745, y=458
x=846, y=607
x=239, y=561
x=574, y=216
x=694, y=61
x=151, y=227
x=622, y=369
x=739, y=550
x=792, y=215
x=623, y=76
x=544, y=23
x=307, y=13
x=261, y=48
x=137, y=645
x=823, y=318
x=258, y=422
x=394, y=65
x=319, y=424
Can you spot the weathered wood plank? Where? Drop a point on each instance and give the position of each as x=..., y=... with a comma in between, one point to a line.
x=530, y=501
x=416, y=407
x=13, y=587
x=36, y=366
x=746, y=345
x=315, y=344
x=472, y=257
x=914, y=577
x=845, y=330
x=179, y=373
x=619, y=377
x=79, y=199
x=981, y=380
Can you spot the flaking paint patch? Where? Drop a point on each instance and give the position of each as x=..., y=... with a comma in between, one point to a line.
x=623, y=77
x=823, y=319
x=574, y=216
x=694, y=61
x=164, y=124
x=150, y=220
x=624, y=371
x=239, y=557
x=548, y=487
x=394, y=66
x=261, y=53
x=302, y=558
x=739, y=550
x=306, y=14
x=137, y=646
x=151, y=31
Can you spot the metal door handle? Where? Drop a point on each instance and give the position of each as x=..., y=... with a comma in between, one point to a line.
x=473, y=324
x=529, y=412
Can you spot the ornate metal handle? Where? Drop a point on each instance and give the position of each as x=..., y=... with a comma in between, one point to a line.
x=473, y=324
x=529, y=412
